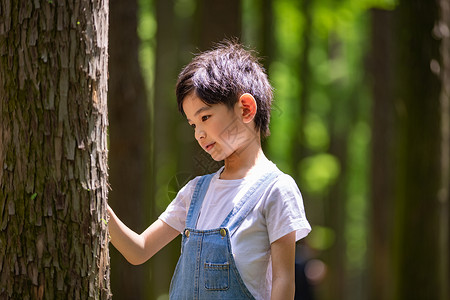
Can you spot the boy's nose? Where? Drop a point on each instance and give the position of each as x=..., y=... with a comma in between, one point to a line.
x=200, y=134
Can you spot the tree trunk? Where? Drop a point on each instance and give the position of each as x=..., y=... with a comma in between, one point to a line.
x=218, y=19
x=165, y=143
x=382, y=162
x=129, y=141
x=442, y=32
x=267, y=34
x=53, y=150
x=343, y=107
x=299, y=149
x=419, y=153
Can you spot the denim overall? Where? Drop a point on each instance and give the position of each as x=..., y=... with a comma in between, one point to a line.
x=206, y=268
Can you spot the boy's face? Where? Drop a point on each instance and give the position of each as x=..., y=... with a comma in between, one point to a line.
x=218, y=129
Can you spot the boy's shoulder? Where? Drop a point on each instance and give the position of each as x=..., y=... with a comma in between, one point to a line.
x=281, y=182
x=284, y=181
x=283, y=185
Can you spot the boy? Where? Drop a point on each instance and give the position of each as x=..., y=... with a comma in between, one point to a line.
x=240, y=224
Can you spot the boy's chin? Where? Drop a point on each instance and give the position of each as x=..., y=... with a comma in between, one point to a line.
x=223, y=156
x=218, y=156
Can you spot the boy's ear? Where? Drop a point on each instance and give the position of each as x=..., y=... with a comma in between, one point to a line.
x=248, y=107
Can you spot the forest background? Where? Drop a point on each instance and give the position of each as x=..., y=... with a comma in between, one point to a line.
x=358, y=98
x=361, y=120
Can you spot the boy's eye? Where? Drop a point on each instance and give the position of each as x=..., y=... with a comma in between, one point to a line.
x=192, y=125
x=204, y=118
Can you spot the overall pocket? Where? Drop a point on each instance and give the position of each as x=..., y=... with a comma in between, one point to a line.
x=217, y=276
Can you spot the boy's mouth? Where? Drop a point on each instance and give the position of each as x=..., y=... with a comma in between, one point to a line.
x=209, y=147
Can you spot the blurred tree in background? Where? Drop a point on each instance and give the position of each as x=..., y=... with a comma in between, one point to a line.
x=360, y=120
x=422, y=182
x=129, y=142
x=382, y=174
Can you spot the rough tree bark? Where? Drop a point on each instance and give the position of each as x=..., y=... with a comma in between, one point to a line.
x=53, y=150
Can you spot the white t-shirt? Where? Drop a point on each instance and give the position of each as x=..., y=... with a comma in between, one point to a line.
x=279, y=211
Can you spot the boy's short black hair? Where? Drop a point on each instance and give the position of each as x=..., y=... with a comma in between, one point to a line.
x=222, y=75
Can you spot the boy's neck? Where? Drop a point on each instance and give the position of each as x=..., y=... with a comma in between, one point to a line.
x=239, y=164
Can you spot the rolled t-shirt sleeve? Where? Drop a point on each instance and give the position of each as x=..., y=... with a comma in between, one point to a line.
x=284, y=210
x=176, y=212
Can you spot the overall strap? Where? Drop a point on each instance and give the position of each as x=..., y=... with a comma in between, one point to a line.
x=248, y=202
x=197, y=200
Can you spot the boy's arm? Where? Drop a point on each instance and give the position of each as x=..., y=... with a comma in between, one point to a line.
x=138, y=248
x=283, y=267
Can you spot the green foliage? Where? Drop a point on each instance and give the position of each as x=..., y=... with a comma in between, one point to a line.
x=284, y=122
x=319, y=172
x=316, y=133
x=185, y=8
x=147, y=32
x=321, y=238
x=251, y=21
x=284, y=77
x=356, y=206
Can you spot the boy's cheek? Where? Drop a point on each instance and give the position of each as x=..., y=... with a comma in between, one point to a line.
x=238, y=135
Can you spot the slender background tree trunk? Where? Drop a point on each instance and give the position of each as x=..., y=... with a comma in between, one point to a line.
x=164, y=120
x=129, y=140
x=417, y=223
x=217, y=20
x=299, y=149
x=53, y=150
x=382, y=162
x=442, y=32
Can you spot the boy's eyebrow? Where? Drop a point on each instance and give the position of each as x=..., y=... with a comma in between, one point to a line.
x=200, y=110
